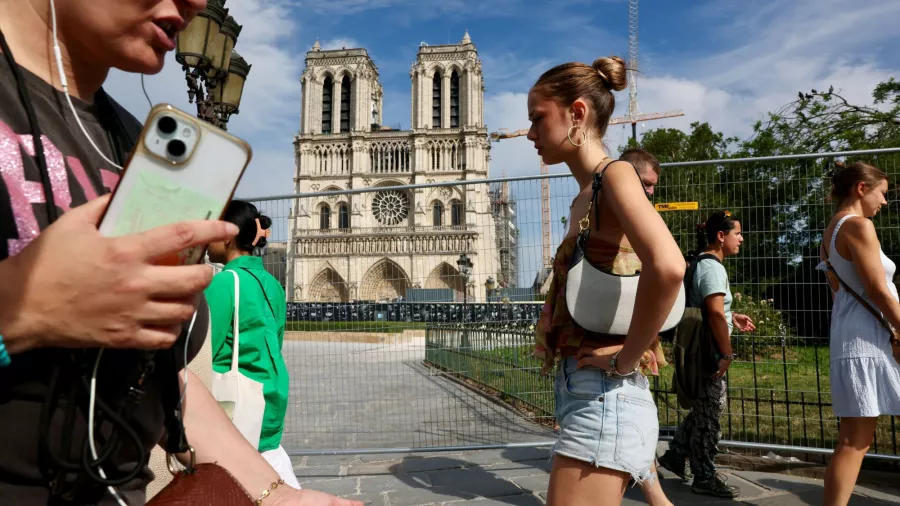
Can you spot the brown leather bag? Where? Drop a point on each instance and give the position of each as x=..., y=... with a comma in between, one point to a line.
x=197, y=485
x=202, y=485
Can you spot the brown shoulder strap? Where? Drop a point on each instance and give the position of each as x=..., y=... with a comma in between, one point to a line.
x=876, y=313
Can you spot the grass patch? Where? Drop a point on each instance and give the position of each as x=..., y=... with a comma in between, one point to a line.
x=383, y=327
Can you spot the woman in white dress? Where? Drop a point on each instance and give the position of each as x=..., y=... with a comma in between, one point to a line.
x=865, y=377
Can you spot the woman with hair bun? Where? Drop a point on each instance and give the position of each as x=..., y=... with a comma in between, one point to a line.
x=261, y=325
x=865, y=377
x=608, y=422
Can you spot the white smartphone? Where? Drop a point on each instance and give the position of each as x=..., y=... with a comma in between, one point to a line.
x=182, y=168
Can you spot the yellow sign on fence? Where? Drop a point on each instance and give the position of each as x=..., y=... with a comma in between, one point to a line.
x=678, y=206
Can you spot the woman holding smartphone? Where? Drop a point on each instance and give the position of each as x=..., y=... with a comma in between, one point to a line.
x=66, y=290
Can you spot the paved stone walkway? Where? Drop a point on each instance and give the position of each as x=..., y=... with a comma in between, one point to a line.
x=519, y=477
x=357, y=395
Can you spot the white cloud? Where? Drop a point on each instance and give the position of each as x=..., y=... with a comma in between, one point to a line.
x=516, y=156
x=420, y=9
x=769, y=53
x=340, y=43
x=772, y=52
x=734, y=112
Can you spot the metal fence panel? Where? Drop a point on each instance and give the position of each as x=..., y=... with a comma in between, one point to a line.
x=390, y=343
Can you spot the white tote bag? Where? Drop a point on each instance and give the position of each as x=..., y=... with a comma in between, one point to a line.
x=241, y=397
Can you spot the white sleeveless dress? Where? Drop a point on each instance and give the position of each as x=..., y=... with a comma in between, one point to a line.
x=865, y=378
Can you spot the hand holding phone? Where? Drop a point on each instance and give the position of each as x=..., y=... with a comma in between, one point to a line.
x=78, y=289
x=133, y=282
x=181, y=169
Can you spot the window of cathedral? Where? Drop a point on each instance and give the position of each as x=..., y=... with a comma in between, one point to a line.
x=345, y=104
x=343, y=216
x=456, y=213
x=436, y=100
x=437, y=216
x=390, y=207
x=327, y=99
x=454, y=100
x=324, y=217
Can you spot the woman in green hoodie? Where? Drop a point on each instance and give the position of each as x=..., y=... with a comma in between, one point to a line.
x=261, y=325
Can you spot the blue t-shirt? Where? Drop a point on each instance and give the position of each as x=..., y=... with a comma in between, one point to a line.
x=710, y=278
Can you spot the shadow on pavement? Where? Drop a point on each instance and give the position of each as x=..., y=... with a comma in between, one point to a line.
x=453, y=479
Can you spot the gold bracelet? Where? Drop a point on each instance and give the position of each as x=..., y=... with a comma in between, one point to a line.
x=266, y=492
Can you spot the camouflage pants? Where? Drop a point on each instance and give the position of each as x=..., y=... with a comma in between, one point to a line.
x=699, y=432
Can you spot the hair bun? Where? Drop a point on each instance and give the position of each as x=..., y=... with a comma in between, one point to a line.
x=265, y=222
x=839, y=165
x=611, y=70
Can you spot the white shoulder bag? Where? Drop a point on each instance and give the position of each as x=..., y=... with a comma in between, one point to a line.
x=602, y=302
x=241, y=397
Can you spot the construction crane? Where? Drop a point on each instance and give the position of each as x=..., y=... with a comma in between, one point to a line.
x=633, y=115
x=546, y=246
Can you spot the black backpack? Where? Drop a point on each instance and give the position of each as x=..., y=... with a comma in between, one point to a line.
x=694, y=350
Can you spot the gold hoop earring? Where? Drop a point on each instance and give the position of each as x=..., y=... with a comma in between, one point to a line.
x=569, y=136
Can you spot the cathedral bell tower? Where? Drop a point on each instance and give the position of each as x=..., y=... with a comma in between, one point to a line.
x=340, y=92
x=447, y=87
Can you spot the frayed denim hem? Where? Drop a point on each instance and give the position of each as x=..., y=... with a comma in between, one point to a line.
x=639, y=477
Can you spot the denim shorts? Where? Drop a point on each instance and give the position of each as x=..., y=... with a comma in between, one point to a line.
x=608, y=422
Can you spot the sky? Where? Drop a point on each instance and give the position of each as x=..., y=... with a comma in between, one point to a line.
x=728, y=62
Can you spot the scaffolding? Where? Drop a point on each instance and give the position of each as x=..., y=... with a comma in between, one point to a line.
x=506, y=223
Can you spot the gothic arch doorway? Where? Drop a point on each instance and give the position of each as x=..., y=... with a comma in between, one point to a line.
x=328, y=286
x=445, y=276
x=384, y=281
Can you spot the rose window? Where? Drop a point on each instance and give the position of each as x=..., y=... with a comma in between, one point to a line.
x=390, y=207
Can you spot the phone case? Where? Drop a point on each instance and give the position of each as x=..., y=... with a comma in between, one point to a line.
x=154, y=191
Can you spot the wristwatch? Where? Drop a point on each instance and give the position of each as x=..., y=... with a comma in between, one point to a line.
x=613, y=361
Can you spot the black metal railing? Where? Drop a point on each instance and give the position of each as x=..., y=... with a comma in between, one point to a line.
x=777, y=389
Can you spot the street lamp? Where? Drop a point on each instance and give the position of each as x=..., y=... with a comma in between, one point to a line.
x=465, y=270
x=490, y=285
x=215, y=73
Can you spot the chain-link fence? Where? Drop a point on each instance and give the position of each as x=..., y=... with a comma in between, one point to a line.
x=411, y=307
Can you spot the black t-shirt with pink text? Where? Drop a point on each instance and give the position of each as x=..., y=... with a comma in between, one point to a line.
x=77, y=174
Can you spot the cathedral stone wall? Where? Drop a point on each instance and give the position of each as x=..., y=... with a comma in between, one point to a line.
x=374, y=246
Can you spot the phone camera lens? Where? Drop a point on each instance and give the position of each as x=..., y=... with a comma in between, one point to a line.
x=167, y=124
x=176, y=148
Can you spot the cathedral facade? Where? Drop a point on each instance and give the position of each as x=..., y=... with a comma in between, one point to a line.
x=382, y=245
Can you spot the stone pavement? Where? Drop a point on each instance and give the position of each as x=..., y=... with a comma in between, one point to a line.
x=360, y=395
x=519, y=476
x=369, y=395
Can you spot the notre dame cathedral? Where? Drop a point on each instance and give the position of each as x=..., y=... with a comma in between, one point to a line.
x=383, y=245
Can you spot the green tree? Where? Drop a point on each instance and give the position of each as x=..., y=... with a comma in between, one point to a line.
x=705, y=184
x=781, y=204
x=826, y=121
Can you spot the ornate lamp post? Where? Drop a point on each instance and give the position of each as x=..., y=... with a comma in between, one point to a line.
x=465, y=270
x=215, y=73
x=490, y=285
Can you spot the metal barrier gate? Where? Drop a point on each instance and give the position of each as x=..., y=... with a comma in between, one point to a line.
x=411, y=307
